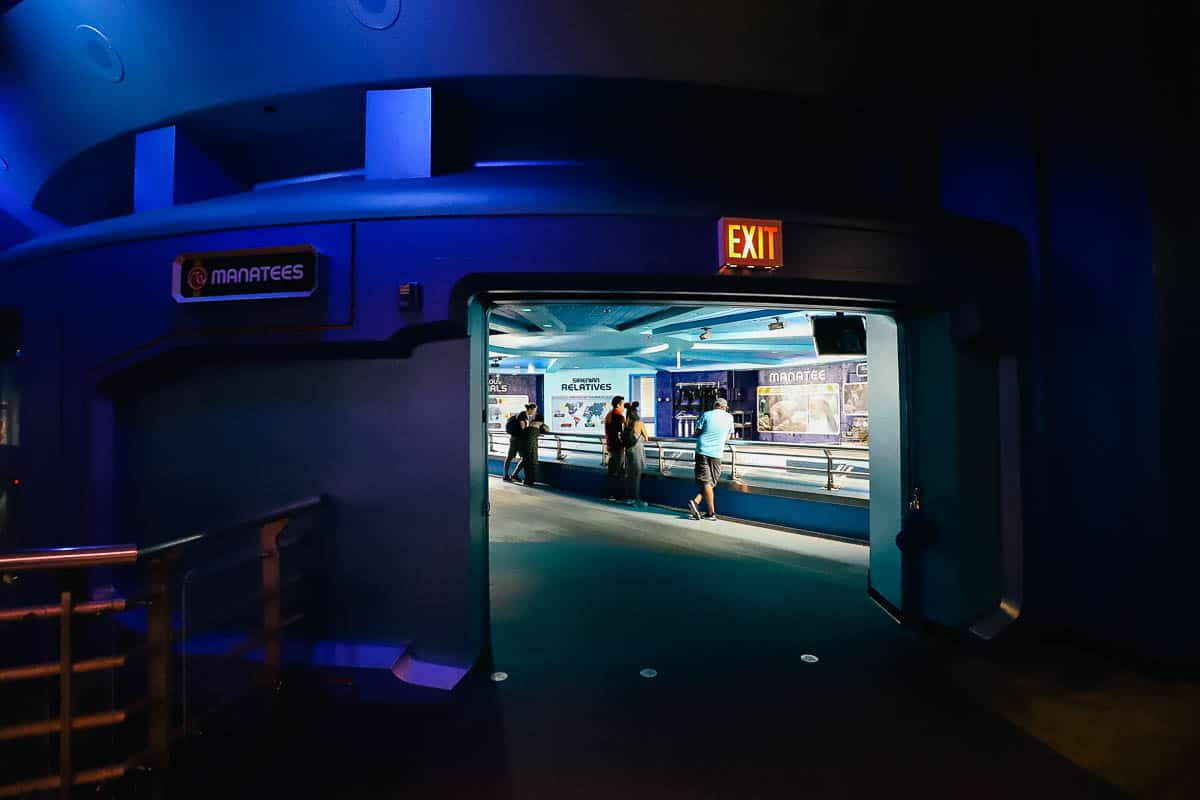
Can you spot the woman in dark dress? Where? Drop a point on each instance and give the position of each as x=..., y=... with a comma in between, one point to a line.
x=634, y=437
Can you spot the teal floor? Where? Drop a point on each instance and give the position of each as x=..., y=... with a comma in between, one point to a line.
x=585, y=595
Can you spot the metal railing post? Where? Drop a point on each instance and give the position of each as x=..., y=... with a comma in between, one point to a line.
x=829, y=487
x=66, y=696
x=158, y=663
x=272, y=600
x=662, y=462
x=558, y=453
x=733, y=476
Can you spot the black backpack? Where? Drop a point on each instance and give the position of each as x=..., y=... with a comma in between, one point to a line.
x=513, y=426
x=629, y=437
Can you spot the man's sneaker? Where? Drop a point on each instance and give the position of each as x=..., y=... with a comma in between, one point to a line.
x=507, y=479
x=694, y=509
x=711, y=517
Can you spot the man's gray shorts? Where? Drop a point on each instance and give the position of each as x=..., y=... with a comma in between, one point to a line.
x=708, y=470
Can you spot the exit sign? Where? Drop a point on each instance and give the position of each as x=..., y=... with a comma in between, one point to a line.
x=749, y=243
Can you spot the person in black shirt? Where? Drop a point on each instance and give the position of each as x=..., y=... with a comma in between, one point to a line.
x=529, y=454
x=516, y=438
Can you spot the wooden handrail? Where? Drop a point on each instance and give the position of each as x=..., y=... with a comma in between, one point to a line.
x=53, y=782
x=42, y=612
x=51, y=558
x=160, y=562
x=255, y=521
x=79, y=723
x=53, y=668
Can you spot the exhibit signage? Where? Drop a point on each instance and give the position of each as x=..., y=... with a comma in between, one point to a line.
x=578, y=402
x=749, y=244
x=507, y=396
x=592, y=384
x=824, y=403
x=266, y=273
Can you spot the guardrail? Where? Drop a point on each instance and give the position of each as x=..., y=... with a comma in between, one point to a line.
x=160, y=563
x=746, y=460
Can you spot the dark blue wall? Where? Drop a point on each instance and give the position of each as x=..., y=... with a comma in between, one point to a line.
x=227, y=440
x=387, y=439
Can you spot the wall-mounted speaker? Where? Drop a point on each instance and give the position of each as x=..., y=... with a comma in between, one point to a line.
x=840, y=335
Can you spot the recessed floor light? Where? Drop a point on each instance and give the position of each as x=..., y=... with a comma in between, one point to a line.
x=547, y=325
x=809, y=658
x=527, y=309
x=649, y=673
x=499, y=677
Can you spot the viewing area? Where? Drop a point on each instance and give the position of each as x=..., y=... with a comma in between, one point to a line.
x=799, y=454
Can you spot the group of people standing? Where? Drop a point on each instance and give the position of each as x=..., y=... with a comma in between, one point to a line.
x=625, y=437
x=523, y=431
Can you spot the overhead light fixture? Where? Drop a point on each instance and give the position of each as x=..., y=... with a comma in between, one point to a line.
x=705, y=334
x=777, y=325
x=527, y=310
x=547, y=325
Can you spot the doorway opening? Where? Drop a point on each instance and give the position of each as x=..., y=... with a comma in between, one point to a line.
x=575, y=555
x=798, y=453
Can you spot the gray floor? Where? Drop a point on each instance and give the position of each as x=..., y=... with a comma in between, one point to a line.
x=585, y=595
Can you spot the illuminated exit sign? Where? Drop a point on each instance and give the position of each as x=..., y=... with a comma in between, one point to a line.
x=749, y=244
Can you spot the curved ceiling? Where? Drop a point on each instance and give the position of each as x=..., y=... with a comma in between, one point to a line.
x=75, y=74
x=550, y=337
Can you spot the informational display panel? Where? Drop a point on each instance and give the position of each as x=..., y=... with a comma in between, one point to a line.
x=501, y=407
x=808, y=408
x=814, y=404
x=579, y=413
x=855, y=419
x=579, y=401
x=507, y=396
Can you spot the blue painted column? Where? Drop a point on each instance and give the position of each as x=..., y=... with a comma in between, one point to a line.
x=168, y=170
x=399, y=134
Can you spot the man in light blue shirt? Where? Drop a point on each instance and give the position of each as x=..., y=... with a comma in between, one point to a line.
x=712, y=432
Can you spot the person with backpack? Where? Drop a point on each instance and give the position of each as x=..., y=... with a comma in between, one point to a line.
x=634, y=438
x=515, y=428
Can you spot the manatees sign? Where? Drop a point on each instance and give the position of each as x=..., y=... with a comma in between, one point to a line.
x=268, y=273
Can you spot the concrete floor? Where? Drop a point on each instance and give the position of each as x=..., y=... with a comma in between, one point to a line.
x=586, y=594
